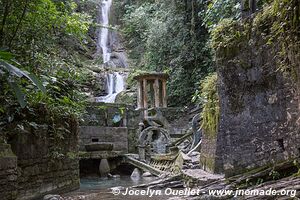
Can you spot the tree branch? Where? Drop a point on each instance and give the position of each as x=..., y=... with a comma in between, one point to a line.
x=5, y=15
x=19, y=23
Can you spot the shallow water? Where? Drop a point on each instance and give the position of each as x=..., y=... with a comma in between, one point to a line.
x=104, y=183
x=99, y=188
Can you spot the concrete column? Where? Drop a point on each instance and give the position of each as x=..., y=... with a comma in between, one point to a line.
x=156, y=93
x=164, y=93
x=141, y=152
x=151, y=94
x=136, y=174
x=140, y=94
x=104, y=168
x=145, y=97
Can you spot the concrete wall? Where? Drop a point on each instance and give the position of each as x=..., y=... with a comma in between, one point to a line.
x=40, y=163
x=116, y=135
x=8, y=173
x=259, y=110
x=98, y=122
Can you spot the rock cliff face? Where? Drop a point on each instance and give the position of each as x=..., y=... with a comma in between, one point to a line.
x=259, y=104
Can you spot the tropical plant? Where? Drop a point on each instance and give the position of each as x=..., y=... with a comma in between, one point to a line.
x=6, y=59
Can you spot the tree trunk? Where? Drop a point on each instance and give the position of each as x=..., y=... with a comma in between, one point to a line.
x=5, y=15
x=19, y=24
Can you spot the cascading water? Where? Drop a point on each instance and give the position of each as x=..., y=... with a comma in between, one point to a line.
x=114, y=85
x=114, y=81
x=105, y=9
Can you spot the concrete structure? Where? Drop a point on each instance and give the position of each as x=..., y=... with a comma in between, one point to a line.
x=152, y=90
x=37, y=162
x=98, y=128
x=259, y=106
x=118, y=136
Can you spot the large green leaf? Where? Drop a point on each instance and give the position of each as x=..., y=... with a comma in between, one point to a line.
x=37, y=82
x=19, y=94
x=12, y=69
x=20, y=73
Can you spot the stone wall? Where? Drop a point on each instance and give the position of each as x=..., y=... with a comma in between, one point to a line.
x=259, y=108
x=8, y=173
x=46, y=162
x=118, y=136
x=208, y=154
x=101, y=114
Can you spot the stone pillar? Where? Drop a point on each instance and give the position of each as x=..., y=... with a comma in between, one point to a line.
x=136, y=174
x=164, y=93
x=156, y=93
x=151, y=94
x=104, y=168
x=141, y=152
x=145, y=99
x=140, y=94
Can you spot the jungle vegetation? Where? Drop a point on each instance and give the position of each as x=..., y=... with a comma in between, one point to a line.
x=44, y=43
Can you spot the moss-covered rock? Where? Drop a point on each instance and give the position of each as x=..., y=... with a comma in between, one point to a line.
x=128, y=97
x=211, y=109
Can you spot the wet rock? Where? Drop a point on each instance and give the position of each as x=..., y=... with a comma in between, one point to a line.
x=147, y=174
x=136, y=174
x=120, y=188
x=52, y=197
x=116, y=176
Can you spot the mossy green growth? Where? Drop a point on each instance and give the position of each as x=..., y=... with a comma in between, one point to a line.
x=5, y=151
x=127, y=97
x=277, y=25
x=228, y=37
x=208, y=162
x=72, y=155
x=286, y=31
x=297, y=164
x=211, y=109
x=130, y=80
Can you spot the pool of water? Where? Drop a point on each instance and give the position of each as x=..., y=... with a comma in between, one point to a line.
x=87, y=184
x=99, y=188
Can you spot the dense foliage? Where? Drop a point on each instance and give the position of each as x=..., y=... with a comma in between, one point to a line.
x=174, y=36
x=42, y=38
x=169, y=36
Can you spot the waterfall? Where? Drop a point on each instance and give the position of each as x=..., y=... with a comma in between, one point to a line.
x=105, y=9
x=114, y=81
x=114, y=85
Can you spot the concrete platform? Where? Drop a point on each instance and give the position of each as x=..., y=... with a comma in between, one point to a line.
x=99, y=154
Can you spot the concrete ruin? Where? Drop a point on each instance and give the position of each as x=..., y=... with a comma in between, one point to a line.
x=36, y=162
x=152, y=90
x=259, y=106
